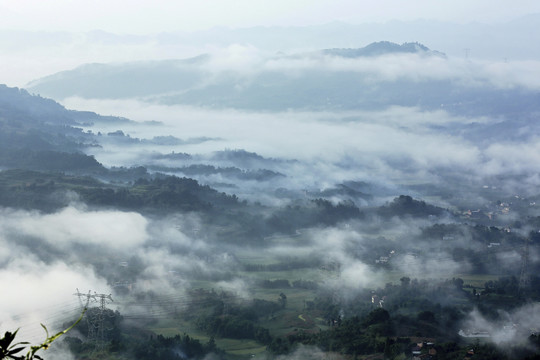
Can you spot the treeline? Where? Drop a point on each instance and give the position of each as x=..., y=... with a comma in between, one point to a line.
x=37, y=190
x=234, y=327
x=130, y=340
x=173, y=348
x=481, y=246
x=49, y=160
x=135, y=345
x=375, y=334
x=285, y=264
x=405, y=205
x=286, y=284
x=224, y=317
x=415, y=310
x=354, y=336
x=232, y=172
x=480, y=234
x=316, y=212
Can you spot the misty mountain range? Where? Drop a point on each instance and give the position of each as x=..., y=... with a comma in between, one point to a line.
x=375, y=77
x=56, y=141
x=53, y=142
x=487, y=41
x=150, y=79
x=317, y=182
x=378, y=77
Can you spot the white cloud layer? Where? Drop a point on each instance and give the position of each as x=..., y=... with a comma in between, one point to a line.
x=113, y=229
x=331, y=147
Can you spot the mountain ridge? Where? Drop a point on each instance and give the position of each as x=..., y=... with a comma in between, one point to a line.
x=380, y=48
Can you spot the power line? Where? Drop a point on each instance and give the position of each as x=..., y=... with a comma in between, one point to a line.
x=164, y=305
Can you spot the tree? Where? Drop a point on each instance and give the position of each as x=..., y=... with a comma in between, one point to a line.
x=405, y=281
x=282, y=300
x=377, y=316
x=427, y=316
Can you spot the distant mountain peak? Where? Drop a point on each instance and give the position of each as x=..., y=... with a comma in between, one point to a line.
x=383, y=48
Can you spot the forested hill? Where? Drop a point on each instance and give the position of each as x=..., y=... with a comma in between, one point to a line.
x=374, y=77
x=383, y=48
x=33, y=110
x=42, y=159
x=40, y=134
x=50, y=191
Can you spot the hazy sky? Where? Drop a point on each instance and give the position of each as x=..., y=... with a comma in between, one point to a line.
x=143, y=16
x=26, y=56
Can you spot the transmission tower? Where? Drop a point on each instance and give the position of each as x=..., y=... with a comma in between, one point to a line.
x=84, y=305
x=96, y=319
x=102, y=299
x=524, y=279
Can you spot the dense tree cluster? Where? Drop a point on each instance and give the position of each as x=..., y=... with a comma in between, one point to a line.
x=405, y=205
x=172, y=348
x=36, y=190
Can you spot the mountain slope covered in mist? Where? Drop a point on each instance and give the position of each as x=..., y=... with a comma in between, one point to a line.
x=123, y=80
x=375, y=77
x=391, y=237
x=38, y=133
x=42, y=137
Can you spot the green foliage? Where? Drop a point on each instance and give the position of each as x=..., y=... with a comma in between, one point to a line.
x=502, y=286
x=405, y=205
x=234, y=327
x=351, y=337
x=10, y=350
x=330, y=214
x=39, y=190
x=275, y=284
x=288, y=263
x=427, y=316
x=172, y=348
x=315, y=212
x=49, y=160
x=230, y=172
x=282, y=300
x=377, y=316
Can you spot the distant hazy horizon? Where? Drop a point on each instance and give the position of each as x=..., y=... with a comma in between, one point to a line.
x=144, y=17
x=30, y=55
x=41, y=38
